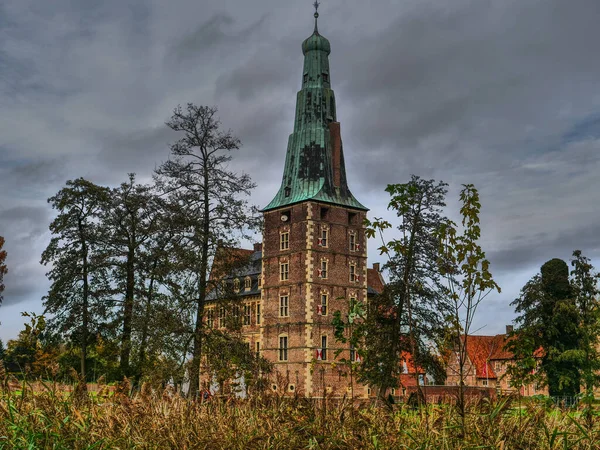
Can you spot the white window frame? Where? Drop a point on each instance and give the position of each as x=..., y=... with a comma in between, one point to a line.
x=324, y=269
x=247, y=314
x=324, y=303
x=283, y=347
x=284, y=241
x=284, y=271
x=284, y=306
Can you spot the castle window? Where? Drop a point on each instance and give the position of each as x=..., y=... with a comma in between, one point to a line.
x=352, y=218
x=247, y=314
x=221, y=317
x=284, y=241
x=284, y=306
x=210, y=319
x=259, y=280
x=283, y=348
x=258, y=314
x=324, y=348
x=284, y=271
x=323, y=269
x=257, y=349
x=323, y=238
x=323, y=213
x=353, y=276
x=323, y=304
x=247, y=283
x=352, y=242
x=352, y=353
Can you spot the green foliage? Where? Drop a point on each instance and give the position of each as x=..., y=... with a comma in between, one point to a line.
x=557, y=328
x=410, y=314
x=464, y=266
x=78, y=293
x=207, y=204
x=3, y=267
x=26, y=354
x=584, y=285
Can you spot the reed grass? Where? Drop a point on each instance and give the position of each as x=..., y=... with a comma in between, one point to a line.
x=151, y=419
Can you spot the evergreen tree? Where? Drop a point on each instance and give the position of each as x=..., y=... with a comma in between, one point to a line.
x=3, y=268
x=411, y=313
x=79, y=289
x=128, y=219
x=548, y=322
x=584, y=283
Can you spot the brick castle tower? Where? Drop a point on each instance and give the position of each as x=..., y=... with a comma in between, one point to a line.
x=314, y=257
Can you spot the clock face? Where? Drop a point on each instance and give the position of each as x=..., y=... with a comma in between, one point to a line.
x=284, y=218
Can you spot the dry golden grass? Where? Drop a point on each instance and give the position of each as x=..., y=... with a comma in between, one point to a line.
x=163, y=420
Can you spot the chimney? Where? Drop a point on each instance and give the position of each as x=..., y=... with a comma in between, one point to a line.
x=336, y=152
x=376, y=267
x=258, y=246
x=509, y=329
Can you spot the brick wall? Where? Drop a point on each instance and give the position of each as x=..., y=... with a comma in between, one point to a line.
x=305, y=324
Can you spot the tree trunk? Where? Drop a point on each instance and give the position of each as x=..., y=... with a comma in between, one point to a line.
x=127, y=313
x=203, y=269
x=145, y=324
x=84, y=309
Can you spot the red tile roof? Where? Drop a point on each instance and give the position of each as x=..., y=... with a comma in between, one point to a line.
x=481, y=350
x=406, y=362
x=374, y=280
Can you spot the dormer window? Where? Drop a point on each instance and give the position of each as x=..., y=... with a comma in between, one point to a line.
x=325, y=78
x=305, y=78
x=247, y=283
x=287, y=191
x=236, y=284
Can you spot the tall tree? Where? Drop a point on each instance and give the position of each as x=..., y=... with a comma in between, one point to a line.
x=584, y=282
x=209, y=198
x=463, y=265
x=548, y=322
x=414, y=296
x=79, y=282
x=128, y=223
x=3, y=268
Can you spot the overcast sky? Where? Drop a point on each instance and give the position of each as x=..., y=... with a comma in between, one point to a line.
x=505, y=95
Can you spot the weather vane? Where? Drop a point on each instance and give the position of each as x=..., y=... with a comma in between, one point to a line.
x=316, y=5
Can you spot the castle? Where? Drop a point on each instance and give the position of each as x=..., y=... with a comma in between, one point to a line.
x=313, y=257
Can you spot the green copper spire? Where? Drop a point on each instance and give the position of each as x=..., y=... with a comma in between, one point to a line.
x=314, y=163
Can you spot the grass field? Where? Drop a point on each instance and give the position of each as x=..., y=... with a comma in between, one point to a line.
x=52, y=419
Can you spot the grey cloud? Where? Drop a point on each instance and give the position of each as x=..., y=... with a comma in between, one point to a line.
x=502, y=95
x=215, y=32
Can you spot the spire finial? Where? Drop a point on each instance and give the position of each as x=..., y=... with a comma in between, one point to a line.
x=316, y=5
